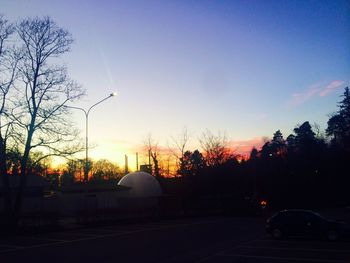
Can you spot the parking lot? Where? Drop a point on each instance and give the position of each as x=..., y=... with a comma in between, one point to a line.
x=297, y=250
x=217, y=239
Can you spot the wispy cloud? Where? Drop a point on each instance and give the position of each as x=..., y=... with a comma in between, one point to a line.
x=314, y=91
x=331, y=87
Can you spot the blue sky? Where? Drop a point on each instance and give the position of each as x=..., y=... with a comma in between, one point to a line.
x=246, y=68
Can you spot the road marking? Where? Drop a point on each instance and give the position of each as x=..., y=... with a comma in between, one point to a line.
x=60, y=242
x=103, y=229
x=119, y=231
x=102, y=236
x=300, y=241
x=285, y=258
x=300, y=249
x=77, y=234
x=48, y=239
x=10, y=246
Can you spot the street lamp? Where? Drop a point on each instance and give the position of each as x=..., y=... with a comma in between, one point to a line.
x=86, y=112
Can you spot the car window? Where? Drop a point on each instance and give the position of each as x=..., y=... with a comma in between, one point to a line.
x=298, y=217
x=286, y=216
x=292, y=217
x=311, y=217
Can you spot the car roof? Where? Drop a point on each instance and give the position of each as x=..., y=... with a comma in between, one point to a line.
x=297, y=210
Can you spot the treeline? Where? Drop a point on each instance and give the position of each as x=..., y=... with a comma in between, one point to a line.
x=73, y=172
x=308, y=168
x=68, y=173
x=305, y=169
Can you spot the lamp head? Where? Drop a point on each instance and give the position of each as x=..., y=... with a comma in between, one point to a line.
x=113, y=94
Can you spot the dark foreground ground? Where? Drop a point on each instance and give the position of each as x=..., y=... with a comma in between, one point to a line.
x=211, y=239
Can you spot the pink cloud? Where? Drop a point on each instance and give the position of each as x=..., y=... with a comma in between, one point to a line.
x=331, y=87
x=300, y=98
x=244, y=147
x=313, y=91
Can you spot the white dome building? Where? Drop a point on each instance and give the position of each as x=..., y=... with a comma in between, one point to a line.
x=142, y=184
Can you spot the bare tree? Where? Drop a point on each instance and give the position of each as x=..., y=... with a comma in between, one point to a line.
x=215, y=148
x=8, y=73
x=152, y=149
x=74, y=168
x=320, y=135
x=105, y=170
x=41, y=90
x=178, y=147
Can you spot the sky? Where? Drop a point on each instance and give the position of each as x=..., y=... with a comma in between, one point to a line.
x=243, y=68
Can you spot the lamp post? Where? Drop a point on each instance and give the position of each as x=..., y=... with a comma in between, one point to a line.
x=86, y=112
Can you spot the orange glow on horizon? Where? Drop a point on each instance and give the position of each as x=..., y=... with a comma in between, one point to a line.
x=115, y=152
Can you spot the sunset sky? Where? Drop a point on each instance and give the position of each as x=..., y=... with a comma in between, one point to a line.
x=244, y=68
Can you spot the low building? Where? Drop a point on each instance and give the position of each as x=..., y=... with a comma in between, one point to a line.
x=34, y=193
x=35, y=185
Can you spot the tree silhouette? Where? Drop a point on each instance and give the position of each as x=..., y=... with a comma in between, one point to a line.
x=278, y=144
x=191, y=163
x=304, y=135
x=105, y=170
x=47, y=89
x=8, y=70
x=152, y=149
x=339, y=124
x=215, y=148
x=34, y=90
x=178, y=148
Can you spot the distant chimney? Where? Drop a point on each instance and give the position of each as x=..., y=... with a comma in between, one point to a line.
x=137, y=161
x=126, y=165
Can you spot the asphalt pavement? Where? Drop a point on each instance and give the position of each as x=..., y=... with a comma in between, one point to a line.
x=211, y=239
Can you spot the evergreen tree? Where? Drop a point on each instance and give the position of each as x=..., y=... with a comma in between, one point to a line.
x=191, y=163
x=278, y=144
x=339, y=124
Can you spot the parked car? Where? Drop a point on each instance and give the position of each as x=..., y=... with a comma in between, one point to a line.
x=297, y=222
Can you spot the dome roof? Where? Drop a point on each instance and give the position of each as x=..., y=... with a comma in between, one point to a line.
x=142, y=184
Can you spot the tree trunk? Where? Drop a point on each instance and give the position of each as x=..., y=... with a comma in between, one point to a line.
x=8, y=220
x=156, y=167
x=23, y=176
